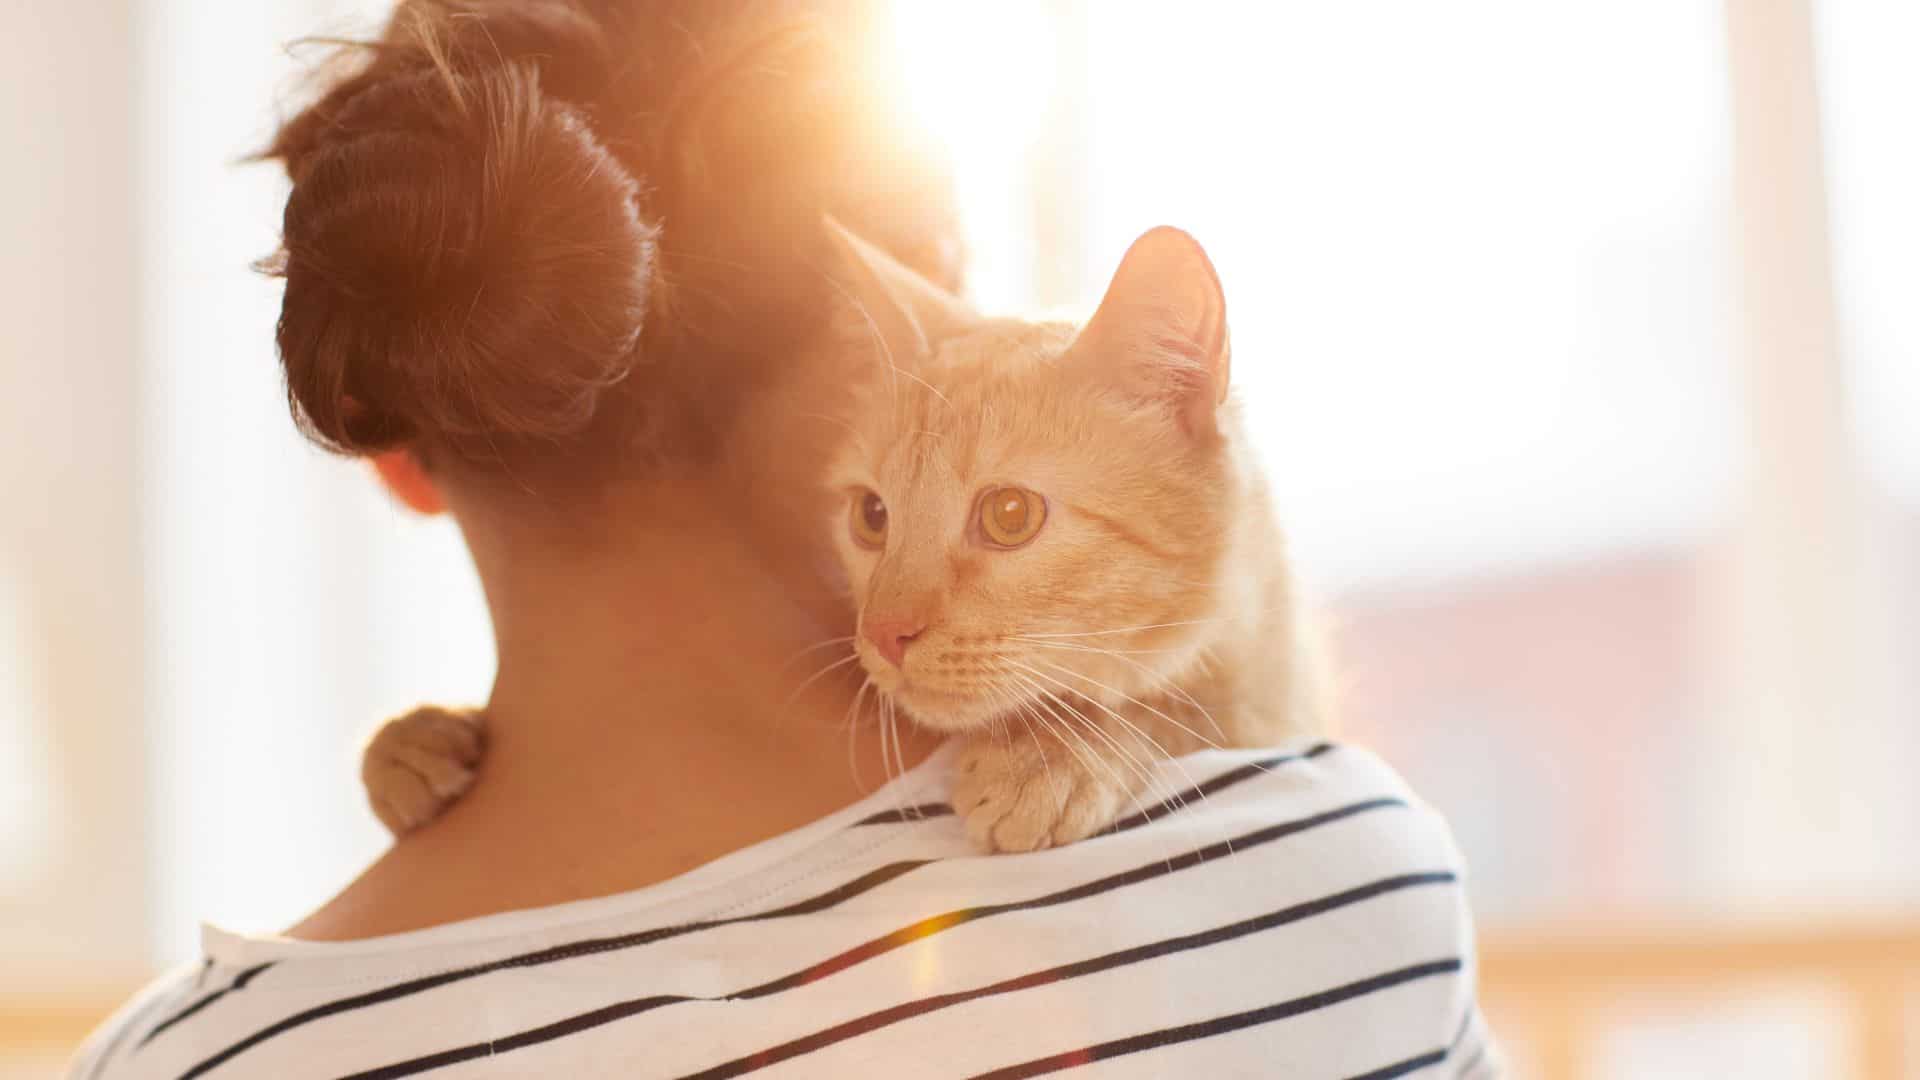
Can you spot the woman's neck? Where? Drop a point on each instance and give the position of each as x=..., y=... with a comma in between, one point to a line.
x=655, y=709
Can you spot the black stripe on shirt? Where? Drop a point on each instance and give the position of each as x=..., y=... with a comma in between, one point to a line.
x=1159, y=810
x=1219, y=783
x=825, y=900
x=112, y=1048
x=870, y=880
x=239, y=982
x=1221, y=1025
x=1470, y=1068
x=1468, y=1024
x=908, y=1010
x=1402, y=1068
x=1460, y=1033
x=861, y=953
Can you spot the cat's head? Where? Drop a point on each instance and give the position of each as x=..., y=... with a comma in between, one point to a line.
x=1027, y=513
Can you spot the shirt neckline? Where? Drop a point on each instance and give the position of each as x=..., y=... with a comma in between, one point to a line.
x=918, y=785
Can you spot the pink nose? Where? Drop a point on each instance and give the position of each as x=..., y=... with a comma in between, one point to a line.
x=892, y=636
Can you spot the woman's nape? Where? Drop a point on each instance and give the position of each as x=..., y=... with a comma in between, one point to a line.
x=648, y=715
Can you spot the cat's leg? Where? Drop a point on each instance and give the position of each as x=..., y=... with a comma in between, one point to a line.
x=1023, y=789
x=418, y=763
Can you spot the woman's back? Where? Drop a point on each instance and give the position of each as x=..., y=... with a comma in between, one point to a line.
x=1289, y=913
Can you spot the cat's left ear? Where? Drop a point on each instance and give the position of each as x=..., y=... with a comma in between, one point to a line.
x=904, y=310
x=1161, y=329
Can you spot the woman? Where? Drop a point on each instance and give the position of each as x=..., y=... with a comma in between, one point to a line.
x=556, y=267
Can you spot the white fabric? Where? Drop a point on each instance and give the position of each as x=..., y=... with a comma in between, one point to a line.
x=1302, y=917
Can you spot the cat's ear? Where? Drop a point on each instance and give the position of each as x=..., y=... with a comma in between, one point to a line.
x=1161, y=329
x=903, y=310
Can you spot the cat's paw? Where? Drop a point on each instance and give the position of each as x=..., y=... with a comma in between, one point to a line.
x=417, y=764
x=1024, y=794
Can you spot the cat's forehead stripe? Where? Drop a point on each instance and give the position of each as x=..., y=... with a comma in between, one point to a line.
x=942, y=420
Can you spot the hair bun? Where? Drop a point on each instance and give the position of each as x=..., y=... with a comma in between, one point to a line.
x=465, y=265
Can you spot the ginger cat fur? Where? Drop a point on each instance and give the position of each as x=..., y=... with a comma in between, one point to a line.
x=1059, y=545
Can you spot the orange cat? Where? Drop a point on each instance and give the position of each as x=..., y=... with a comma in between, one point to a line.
x=1059, y=544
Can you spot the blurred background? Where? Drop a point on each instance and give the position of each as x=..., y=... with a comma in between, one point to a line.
x=1582, y=341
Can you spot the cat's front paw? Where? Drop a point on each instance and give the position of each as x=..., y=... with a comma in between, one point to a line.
x=1024, y=794
x=417, y=764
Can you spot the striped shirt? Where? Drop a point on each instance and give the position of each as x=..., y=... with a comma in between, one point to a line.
x=1294, y=912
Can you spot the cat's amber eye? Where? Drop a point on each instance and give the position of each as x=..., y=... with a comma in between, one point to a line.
x=869, y=519
x=1011, y=516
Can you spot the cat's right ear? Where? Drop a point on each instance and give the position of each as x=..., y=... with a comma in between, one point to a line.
x=903, y=311
x=1160, y=333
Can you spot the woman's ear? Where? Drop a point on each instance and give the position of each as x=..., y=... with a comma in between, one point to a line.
x=406, y=479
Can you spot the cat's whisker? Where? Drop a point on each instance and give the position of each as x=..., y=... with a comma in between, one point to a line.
x=1129, y=725
x=899, y=747
x=879, y=340
x=1164, y=681
x=1027, y=717
x=1134, y=700
x=1205, y=659
x=1068, y=728
x=886, y=741
x=1192, y=784
x=1021, y=712
x=866, y=316
x=1045, y=698
x=880, y=732
x=851, y=657
x=845, y=639
x=1006, y=736
x=859, y=697
x=853, y=433
x=1140, y=769
x=1074, y=742
x=1123, y=655
x=853, y=731
x=1172, y=797
x=1071, y=646
x=931, y=389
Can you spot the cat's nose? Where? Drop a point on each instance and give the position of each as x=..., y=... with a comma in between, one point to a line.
x=892, y=635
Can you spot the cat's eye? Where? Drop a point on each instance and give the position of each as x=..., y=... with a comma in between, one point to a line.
x=1011, y=516
x=869, y=519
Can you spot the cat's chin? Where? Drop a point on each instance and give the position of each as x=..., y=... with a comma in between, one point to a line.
x=949, y=714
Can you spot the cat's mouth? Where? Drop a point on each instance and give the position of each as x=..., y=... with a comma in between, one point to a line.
x=928, y=696
x=958, y=692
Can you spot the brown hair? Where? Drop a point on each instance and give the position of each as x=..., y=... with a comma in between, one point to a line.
x=517, y=222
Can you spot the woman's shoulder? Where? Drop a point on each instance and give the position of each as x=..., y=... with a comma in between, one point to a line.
x=1307, y=884
x=1320, y=834
x=1303, y=884
x=1308, y=786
